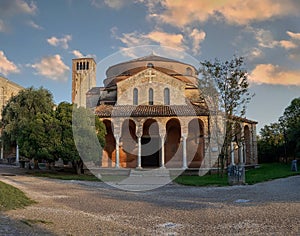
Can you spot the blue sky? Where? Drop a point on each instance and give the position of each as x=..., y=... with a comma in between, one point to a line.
x=39, y=39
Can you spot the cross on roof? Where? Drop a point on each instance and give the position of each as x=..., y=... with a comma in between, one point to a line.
x=150, y=75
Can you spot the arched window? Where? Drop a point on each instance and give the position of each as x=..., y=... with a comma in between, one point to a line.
x=135, y=96
x=80, y=65
x=150, y=65
x=150, y=96
x=87, y=65
x=167, y=96
x=188, y=71
x=83, y=66
x=77, y=65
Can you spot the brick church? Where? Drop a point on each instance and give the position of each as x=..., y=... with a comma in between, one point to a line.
x=154, y=115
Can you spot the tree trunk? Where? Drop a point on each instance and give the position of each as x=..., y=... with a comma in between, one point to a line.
x=78, y=166
x=36, y=164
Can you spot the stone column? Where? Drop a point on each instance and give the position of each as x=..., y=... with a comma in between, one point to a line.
x=139, y=160
x=241, y=153
x=17, y=155
x=232, y=153
x=117, y=164
x=184, y=157
x=162, y=161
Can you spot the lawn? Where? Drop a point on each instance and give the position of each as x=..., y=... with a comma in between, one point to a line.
x=264, y=173
x=12, y=198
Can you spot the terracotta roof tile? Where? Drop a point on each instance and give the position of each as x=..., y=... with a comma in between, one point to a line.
x=150, y=110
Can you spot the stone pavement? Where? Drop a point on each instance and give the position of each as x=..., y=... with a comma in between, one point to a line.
x=95, y=208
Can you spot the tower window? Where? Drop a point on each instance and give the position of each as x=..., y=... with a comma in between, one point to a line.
x=83, y=65
x=80, y=65
x=150, y=96
x=87, y=65
x=77, y=65
x=167, y=96
x=135, y=96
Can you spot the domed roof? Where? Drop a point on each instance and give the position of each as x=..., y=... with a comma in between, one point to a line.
x=154, y=60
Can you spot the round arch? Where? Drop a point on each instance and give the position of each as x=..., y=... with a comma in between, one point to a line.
x=173, y=149
x=195, y=143
x=108, y=153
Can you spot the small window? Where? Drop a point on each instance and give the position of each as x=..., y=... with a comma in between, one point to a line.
x=80, y=65
x=150, y=96
x=167, y=96
x=87, y=65
x=77, y=65
x=135, y=96
x=189, y=71
x=150, y=65
x=83, y=65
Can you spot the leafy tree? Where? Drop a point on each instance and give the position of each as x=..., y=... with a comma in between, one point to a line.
x=26, y=119
x=226, y=84
x=87, y=127
x=290, y=122
x=271, y=143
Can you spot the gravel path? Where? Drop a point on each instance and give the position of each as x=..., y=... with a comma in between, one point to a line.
x=94, y=208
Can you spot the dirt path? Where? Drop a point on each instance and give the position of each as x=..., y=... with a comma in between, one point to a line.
x=93, y=208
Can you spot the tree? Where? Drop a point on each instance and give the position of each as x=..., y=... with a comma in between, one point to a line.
x=87, y=127
x=26, y=119
x=271, y=143
x=290, y=122
x=226, y=83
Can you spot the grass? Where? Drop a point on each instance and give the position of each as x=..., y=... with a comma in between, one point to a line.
x=12, y=198
x=64, y=176
x=265, y=172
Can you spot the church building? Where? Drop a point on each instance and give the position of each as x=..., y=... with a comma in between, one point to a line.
x=154, y=115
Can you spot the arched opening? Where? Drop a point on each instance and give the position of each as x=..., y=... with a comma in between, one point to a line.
x=167, y=96
x=108, y=154
x=128, y=143
x=173, y=149
x=87, y=65
x=150, y=144
x=195, y=143
x=151, y=96
x=135, y=96
x=83, y=65
x=150, y=65
x=188, y=71
x=247, y=144
x=237, y=143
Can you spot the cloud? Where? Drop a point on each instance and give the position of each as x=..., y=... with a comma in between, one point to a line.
x=197, y=37
x=2, y=26
x=62, y=42
x=180, y=41
x=78, y=54
x=7, y=66
x=241, y=12
x=34, y=25
x=14, y=7
x=294, y=35
x=274, y=74
x=52, y=67
x=115, y=4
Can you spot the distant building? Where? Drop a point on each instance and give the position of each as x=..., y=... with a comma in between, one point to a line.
x=154, y=116
x=7, y=90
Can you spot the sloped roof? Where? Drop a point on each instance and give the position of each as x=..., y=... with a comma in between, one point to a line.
x=150, y=110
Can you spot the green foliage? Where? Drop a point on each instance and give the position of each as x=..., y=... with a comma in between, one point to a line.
x=264, y=173
x=27, y=120
x=12, y=198
x=281, y=139
x=44, y=133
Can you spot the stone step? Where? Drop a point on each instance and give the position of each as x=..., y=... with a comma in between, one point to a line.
x=159, y=172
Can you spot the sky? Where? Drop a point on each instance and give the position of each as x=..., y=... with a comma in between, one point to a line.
x=39, y=39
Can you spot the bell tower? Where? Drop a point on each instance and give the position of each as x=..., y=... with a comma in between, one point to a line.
x=83, y=79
